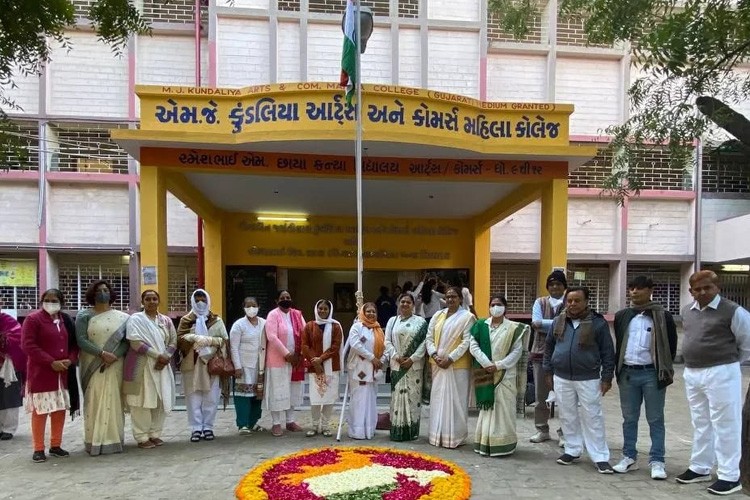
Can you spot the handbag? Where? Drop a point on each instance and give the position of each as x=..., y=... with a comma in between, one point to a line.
x=221, y=365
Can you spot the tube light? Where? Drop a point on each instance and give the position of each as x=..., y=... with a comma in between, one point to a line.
x=283, y=218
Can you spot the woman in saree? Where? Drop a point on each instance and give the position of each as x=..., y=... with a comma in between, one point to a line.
x=497, y=347
x=148, y=383
x=405, y=346
x=447, y=345
x=201, y=335
x=321, y=343
x=100, y=332
x=364, y=363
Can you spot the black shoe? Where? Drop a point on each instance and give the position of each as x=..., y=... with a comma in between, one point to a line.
x=208, y=435
x=566, y=459
x=722, y=487
x=38, y=457
x=58, y=452
x=689, y=477
x=6, y=436
x=196, y=436
x=604, y=468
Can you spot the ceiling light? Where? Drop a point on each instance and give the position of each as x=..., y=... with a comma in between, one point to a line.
x=735, y=268
x=283, y=217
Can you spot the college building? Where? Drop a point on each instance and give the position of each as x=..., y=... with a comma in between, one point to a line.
x=483, y=157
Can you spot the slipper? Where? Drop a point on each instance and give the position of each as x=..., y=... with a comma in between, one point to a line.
x=311, y=433
x=195, y=436
x=327, y=433
x=276, y=431
x=258, y=428
x=208, y=435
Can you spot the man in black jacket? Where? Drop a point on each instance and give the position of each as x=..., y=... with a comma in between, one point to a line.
x=579, y=362
x=646, y=343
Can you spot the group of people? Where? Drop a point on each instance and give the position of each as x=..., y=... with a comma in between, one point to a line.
x=126, y=365
x=574, y=351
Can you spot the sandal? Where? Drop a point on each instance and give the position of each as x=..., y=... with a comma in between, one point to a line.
x=258, y=428
x=311, y=433
x=208, y=435
x=195, y=436
x=327, y=433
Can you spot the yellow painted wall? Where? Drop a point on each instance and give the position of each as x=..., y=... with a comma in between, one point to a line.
x=330, y=243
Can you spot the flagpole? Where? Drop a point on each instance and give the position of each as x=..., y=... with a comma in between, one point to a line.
x=358, y=150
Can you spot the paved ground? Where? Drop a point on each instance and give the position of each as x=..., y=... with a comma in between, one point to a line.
x=183, y=470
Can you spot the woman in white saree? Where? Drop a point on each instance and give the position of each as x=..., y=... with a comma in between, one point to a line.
x=447, y=345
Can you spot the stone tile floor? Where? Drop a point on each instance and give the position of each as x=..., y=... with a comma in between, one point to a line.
x=184, y=470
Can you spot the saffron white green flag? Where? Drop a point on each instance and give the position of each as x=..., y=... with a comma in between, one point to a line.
x=349, y=54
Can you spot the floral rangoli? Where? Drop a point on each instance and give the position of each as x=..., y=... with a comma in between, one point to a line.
x=359, y=473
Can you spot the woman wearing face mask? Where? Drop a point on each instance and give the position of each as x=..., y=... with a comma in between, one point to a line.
x=405, y=346
x=286, y=371
x=201, y=335
x=365, y=363
x=497, y=346
x=48, y=339
x=100, y=332
x=148, y=381
x=321, y=342
x=249, y=358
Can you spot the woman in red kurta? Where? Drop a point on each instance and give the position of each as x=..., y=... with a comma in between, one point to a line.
x=48, y=338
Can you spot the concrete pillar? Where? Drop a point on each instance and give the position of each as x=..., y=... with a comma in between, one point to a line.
x=153, y=212
x=554, y=238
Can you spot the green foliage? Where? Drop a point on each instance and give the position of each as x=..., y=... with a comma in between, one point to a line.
x=682, y=50
x=28, y=30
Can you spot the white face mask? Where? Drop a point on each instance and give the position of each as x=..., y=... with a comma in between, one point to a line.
x=497, y=311
x=251, y=312
x=51, y=307
x=201, y=308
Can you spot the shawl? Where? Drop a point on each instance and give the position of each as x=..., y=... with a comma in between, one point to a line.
x=586, y=336
x=660, y=351
x=379, y=348
x=445, y=332
x=186, y=324
x=206, y=352
x=417, y=340
x=115, y=344
x=73, y=394
x=298, y=324
x=485, y=383
x=327, y=325
x=140, y=328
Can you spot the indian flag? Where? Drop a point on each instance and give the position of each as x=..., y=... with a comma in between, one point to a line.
x=349, y=54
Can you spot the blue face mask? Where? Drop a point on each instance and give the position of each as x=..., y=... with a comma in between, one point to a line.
x=102, y=297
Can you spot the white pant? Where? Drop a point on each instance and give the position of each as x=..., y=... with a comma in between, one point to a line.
x=714, y=396
x=9, y=420
x=147, y=423
x=202, y=405
x=321, y=416
x=584, y=424
x=277, y=417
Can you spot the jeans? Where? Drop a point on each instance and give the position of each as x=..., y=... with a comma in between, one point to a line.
x=637, y=387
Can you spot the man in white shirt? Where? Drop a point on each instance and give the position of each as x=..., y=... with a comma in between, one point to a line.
x=542, y=313
x=646, y=343
x=716, y=341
